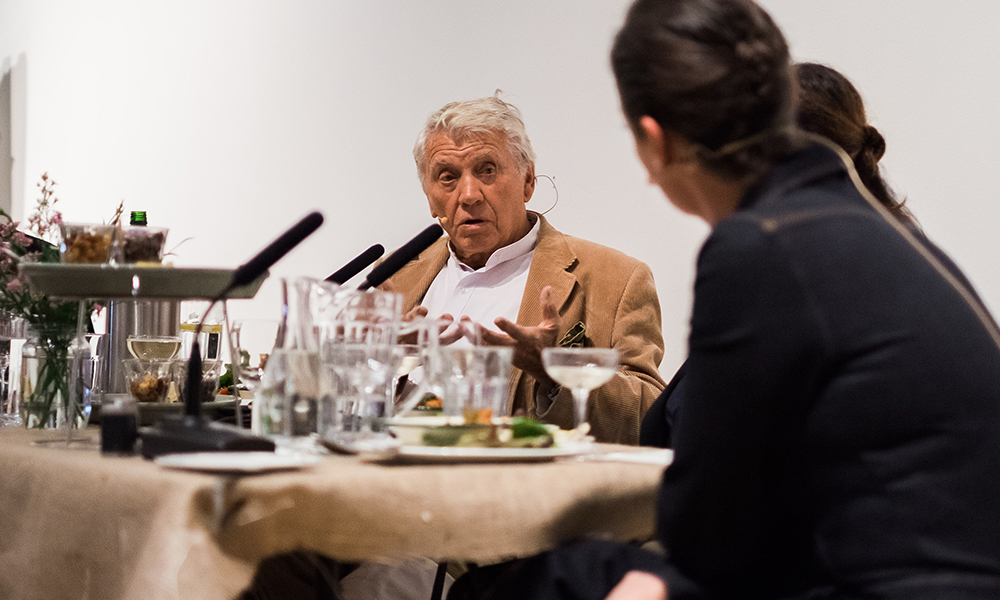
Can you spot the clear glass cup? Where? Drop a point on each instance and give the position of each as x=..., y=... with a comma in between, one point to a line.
x=210, y=373
x=420, y=375
x=360, y=386
x=86, y=242
x=149, y=379
x=252, y=341
x=13, y=336
x=410, y=359
x=359, y=359
x=9, y=410
x=288, y=397
x=582, y=370
x=143, y=244
x=372, y=317
x=476, y=382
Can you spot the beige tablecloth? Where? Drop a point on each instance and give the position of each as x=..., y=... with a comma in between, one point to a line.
x=75, y=524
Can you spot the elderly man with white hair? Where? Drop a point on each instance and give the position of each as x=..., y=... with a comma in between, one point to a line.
x=520, y=280
x=523, y=284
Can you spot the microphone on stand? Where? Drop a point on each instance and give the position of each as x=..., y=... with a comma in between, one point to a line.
x=398, y=259
x=358, y=264
x=256, y=266
x=192, y=434
x=243, y=275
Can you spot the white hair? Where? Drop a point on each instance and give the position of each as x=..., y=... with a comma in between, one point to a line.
x=461, y=120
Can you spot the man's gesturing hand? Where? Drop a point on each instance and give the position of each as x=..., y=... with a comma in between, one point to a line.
x=528, y=342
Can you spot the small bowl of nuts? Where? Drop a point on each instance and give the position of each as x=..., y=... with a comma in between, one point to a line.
x=86, y=243
x=210, y=373
x=148, y=379
x=143, y=244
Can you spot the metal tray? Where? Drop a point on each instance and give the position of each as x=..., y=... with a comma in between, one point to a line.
x=73, y=281
x=151, y=413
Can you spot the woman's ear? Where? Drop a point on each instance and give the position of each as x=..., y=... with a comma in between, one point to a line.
x=661, y=149
x=651, y=148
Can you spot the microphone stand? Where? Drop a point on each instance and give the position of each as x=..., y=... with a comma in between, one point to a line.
x=193, y=433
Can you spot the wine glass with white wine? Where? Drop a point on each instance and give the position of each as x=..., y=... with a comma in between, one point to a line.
x=582, y=370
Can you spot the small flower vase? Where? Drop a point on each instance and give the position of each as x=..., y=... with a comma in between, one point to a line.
x=50, y=398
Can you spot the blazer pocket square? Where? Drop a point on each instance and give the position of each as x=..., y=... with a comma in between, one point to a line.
x=575, y=337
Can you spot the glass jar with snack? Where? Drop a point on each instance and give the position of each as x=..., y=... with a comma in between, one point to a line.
x=86, y=243
x=148, y=379
x=143, y=244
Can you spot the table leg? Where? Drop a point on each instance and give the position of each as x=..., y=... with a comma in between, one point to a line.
x=438, y=590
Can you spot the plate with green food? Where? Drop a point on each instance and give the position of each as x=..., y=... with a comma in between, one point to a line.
x=505, y=440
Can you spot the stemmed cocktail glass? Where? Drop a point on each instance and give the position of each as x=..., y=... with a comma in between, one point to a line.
x=582, y=370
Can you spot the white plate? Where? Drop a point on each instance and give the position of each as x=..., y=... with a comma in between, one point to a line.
x=454, y=454
x=425, y=421
x=237, y=462
x=410, y=430
x=662, y=457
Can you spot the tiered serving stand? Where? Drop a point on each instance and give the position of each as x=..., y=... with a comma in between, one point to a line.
x=103, y=282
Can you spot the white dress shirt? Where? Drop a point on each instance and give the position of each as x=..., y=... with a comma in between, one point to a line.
x=487, y=293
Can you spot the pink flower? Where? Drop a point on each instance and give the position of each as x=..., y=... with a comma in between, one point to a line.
x=15, y=285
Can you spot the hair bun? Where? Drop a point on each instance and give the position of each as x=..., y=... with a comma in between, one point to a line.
x=874, y=142
x=754, y=54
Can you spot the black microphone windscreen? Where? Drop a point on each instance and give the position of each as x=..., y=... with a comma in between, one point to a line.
x=193, y=382
x=398, y=259
x=255, y=267
x=357, y=265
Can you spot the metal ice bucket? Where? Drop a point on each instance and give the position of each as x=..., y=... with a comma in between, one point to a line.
x=155, y=318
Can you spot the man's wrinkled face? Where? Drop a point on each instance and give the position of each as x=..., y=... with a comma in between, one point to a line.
x=478, y=194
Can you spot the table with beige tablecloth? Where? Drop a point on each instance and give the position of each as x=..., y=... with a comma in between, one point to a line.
x=76, y=524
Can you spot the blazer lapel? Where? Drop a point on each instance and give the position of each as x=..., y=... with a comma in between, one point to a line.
x=416, y=278
x=549, y=267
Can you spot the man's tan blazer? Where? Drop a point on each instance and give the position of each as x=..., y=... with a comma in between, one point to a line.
x=611, y=293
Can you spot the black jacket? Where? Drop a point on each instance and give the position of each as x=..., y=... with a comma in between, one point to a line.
x=840, y=428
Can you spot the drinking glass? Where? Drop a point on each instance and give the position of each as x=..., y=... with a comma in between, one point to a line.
x=148, y=379
x=10, y=412
x=371, y=317
x=287, y=402
x=420, y=372
x=582, y=370
x=476, y=381
x=362, y=386
x=409, y=360
x=252, y=343
x=149, y=347
x=358, y=363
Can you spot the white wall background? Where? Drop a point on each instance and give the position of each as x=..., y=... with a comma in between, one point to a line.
x=227, y=120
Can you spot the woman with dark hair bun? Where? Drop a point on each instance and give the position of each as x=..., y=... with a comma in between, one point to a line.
x=829, y=105
x=840, y=433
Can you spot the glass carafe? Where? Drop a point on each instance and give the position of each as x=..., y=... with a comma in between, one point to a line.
x=289, y=389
